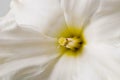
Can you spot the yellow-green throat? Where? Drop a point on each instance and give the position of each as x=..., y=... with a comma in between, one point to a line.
x=71, y=41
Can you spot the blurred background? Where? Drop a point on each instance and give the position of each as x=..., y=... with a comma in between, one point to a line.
x=4, y=7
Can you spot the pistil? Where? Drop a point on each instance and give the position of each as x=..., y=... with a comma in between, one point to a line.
x=70, y=43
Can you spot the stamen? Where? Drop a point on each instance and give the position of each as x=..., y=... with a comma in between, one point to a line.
x=62, y=41
x=70, y=43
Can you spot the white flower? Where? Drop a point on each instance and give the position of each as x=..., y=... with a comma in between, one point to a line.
x=33, y=45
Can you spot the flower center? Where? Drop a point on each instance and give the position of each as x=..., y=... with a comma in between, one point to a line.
x=70, y=43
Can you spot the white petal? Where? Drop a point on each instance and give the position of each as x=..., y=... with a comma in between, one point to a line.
x=104, y=30
x=44, y=15
x=23, y=48
x=31, y=68
x=70, y=68
x=105, y=59
x=107, y=7
x=79, y=12
x=98, y=62
x=74, y=68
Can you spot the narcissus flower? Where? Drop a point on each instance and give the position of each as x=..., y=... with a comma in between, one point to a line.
x=61, y=40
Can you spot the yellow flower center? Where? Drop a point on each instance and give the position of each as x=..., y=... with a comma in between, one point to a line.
x=70, y=43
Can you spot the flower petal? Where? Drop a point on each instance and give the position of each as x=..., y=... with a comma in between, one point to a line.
x=69, y=68
x=31, y=69
x=79, y=12
x=105, y=59
x=104, y=30
x=24, y=48
x=107, y=7
x=104, y=26
x=45, y=15
x=97, y=63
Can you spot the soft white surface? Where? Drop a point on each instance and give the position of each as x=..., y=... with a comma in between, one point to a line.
x=27, y=53
x=4, y=7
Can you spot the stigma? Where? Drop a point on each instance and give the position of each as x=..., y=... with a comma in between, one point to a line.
x=72, y=43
